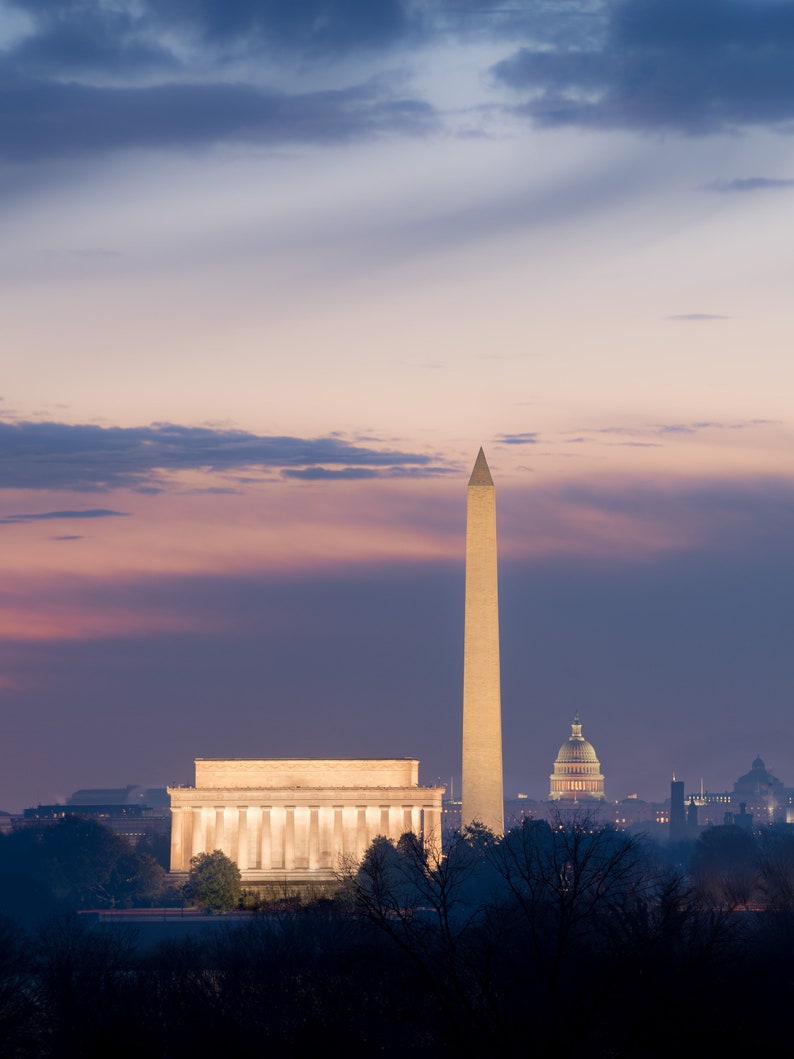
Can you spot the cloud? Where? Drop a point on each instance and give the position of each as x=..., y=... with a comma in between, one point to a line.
x=88, y=458
x=159, y=34
x=662, y=429
x=529, y=438
x=693, y=66
x=166, y=74
x=640, y=444
x=749, y=184
x=319, y=474
x=86, y=78
x=68, y=537
x=44, y=516
x=318, y=27
x=697, y=316
x=44, y=120
x=692, y=428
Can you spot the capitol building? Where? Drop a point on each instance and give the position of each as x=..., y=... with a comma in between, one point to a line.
x=577, y=775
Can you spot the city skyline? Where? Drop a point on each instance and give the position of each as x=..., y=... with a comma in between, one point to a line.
x=269, y=283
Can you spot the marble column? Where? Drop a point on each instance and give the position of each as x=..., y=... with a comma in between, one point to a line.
x=198, y=843
x=361, y=831
x=314, y=837
x=339, y=845
x=267, y=840
x=242, y=837
x=289, y=838
x=177, y=838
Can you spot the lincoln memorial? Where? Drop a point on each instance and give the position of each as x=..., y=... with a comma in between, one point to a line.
x=300, y=819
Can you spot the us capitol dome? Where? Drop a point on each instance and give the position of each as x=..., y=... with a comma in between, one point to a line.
x=577, y=775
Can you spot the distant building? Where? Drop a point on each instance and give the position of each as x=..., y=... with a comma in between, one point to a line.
x=133, y=812
x=577, y=775
x=763, y=794
x=677, y=811
x=757, y=795
x=692, y=817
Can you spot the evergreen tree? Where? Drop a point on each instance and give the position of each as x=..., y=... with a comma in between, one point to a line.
x=213, y=882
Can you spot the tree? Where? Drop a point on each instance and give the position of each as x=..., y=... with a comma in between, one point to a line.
x=432, y=909
x=137, y=879
x=725, y=866
x=214, y=881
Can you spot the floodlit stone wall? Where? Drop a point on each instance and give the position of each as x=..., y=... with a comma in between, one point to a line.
x=298, y=818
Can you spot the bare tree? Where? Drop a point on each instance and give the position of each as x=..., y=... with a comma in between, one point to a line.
x=433, y=907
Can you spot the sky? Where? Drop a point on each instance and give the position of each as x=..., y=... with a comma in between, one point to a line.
x=272, y=271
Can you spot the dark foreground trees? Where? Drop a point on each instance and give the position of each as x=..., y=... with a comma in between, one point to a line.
x=549, y=941
x=565, y=936
x=76, y=863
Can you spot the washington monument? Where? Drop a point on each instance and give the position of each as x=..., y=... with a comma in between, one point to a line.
x=482, y=796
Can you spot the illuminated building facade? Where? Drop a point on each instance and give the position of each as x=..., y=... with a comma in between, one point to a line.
x=299, y=819
x=577, y=775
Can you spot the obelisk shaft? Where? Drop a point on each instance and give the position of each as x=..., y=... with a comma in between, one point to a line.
x=483, y=800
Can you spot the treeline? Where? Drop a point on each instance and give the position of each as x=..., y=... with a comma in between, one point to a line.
x=557, y=940
x=77, y=863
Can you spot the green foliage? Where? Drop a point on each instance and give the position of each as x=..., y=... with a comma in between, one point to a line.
x=214, y=882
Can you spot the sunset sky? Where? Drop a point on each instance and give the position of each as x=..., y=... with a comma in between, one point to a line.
x=273, y=270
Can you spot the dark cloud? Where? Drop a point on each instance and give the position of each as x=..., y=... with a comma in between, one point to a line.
x=313, y=26
x=72, y=34
x=320, y=474
x=697, y=316
x=79, y=38
x=517, y=439
x=41, y=120
x=167, y=73
x=68, y=537
x=90, y=458
x=45, y=516
x=696, y=66
x=146, y=34
x=175, y=73
x=749, y=184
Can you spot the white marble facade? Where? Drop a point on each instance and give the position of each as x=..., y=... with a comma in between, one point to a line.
x=298, y=818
